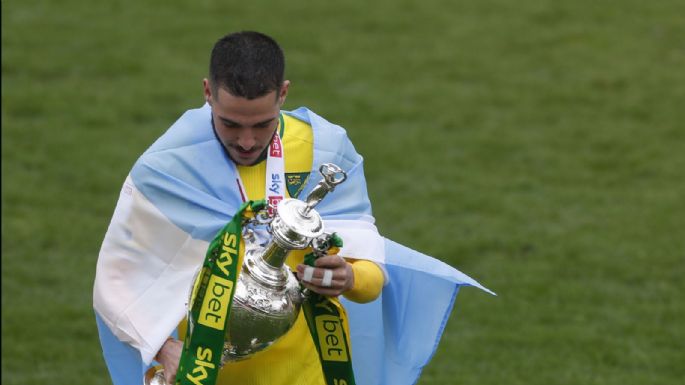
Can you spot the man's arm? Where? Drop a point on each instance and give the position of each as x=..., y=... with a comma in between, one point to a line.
x=368, y=281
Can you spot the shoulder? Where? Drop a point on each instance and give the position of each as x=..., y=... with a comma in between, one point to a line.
x=296, y=129
x=189, y=144
x=193, y=127
x=329, y=138
x=317, y=122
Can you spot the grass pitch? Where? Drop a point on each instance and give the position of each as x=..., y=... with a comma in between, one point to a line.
x=538, y=146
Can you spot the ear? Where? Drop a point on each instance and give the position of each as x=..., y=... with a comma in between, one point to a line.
x=207, y=89
x=283, y=92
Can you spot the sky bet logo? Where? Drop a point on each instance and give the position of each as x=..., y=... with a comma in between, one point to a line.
x=213, y=311
x=276, y=183
x=331, y=338
x=276, y=150
x=219, y=290
x=202, y=363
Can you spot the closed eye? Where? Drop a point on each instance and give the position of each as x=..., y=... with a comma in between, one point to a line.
x=232, y=124
x=263, y=124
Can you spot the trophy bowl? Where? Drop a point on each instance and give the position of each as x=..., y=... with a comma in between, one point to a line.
x=266, y=304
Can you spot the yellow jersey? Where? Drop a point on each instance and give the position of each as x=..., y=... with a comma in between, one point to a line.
x=293, y=358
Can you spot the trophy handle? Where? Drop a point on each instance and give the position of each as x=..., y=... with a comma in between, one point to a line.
x=332, y=176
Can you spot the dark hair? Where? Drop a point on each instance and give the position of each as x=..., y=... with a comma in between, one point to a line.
x=247, y=64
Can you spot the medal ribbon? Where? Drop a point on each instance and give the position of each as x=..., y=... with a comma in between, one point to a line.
x=275, y=174
x=211, y=302
x=326, y=319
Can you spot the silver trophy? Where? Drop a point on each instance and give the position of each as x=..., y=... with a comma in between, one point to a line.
x=268, y=298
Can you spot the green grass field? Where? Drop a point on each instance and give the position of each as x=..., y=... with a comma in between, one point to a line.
x=537, y=146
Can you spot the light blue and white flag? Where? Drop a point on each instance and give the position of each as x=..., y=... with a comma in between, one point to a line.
x=183, y=190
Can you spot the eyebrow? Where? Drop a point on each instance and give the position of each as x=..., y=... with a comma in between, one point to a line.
x=234, y=123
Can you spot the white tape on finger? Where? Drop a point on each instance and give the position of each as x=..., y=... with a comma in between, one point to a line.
x=327, y=278
x=308, y=274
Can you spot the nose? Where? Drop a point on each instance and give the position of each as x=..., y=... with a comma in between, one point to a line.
x=246, y=139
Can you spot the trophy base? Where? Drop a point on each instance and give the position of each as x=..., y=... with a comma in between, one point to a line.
x=155, y=376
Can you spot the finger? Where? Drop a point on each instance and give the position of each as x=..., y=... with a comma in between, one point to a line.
x=307, y=274
x=311, y=274
x=169, y=377
x=327, y=291
x=327, y=278
x=330, y=261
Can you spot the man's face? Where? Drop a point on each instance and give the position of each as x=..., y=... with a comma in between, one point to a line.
x=245, y=127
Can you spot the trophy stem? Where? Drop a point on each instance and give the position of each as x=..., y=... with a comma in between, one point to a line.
x=275, y=255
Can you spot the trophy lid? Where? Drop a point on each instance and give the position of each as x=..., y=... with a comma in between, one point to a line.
x=293, y=216
x=296, y=222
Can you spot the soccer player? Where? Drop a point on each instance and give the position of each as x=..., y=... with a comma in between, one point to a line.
x=241, y=146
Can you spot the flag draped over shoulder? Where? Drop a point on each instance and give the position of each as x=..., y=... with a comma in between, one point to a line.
x=183, y=190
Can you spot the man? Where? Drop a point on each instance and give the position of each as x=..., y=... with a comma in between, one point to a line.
x=240, y=146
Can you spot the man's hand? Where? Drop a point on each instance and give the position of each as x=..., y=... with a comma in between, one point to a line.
x=332, y=276
x=170, y=356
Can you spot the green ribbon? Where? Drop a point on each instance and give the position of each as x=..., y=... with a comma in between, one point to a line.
x=211, y=303
x=328, y=329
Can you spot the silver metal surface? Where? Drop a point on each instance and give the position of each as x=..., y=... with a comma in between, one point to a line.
x=154, y=376
x=266, y=304
x=332, y=176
